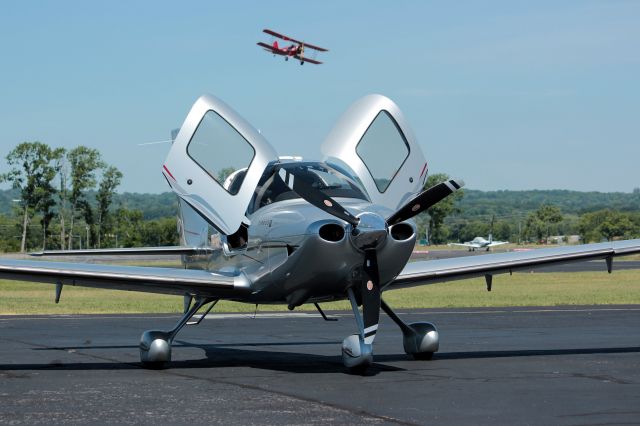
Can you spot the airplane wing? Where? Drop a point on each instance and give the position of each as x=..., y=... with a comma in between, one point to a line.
x=319, y=49
x=267, y=47
x=282, y=36
x=286, y=38
x=313, y=61
x=465, y=245
x=168, y=250
x=497, y=243
x=137, y=278
x=441, y=270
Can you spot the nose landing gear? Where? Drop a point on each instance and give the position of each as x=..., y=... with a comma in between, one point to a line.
x=419, y=339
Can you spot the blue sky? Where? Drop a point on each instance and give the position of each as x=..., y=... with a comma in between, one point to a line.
x=506, y=95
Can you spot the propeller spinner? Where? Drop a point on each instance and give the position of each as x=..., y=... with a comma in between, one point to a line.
x=369, y=231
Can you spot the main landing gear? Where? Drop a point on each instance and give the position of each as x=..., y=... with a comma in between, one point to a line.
x=420, y=339
x=155, y=345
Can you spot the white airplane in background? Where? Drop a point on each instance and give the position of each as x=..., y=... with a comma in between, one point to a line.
x=262, y=229
x=480, y=243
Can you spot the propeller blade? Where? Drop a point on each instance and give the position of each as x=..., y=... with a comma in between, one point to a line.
x=303, y=187
x=424, y=200
x=371, y=295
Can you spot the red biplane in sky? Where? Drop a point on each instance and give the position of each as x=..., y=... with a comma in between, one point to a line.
x=296, y=49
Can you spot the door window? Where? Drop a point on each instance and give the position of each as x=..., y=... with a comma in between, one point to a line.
x=383, y=149
x=221, y=151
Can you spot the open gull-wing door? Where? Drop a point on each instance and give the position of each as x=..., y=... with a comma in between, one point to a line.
x=374, y=140
x=215, y=163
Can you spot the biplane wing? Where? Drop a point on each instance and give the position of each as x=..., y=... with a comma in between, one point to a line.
x=311, y=46
x=267, y=47
x=303, y=59
x=286, y=38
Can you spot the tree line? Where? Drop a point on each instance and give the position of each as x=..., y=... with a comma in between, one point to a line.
x=509, y=203
x=530, y=216
x=65, y=198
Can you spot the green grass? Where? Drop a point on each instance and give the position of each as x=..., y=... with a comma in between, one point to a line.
x=526, y=289
x=521, y=289
x=511, y=247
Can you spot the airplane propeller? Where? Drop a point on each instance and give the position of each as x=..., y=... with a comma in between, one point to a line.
x=369, y=231
x=305, y=189
x=424, y=200
x=371, y=295
x=411, y=208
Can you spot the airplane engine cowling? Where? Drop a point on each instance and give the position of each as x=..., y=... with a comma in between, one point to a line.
x=401, y=231
x=331, y=232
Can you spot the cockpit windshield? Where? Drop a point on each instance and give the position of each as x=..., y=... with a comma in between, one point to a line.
x=275, y=184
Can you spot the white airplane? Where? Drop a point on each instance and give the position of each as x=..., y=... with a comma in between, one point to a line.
x=480, y=243
x=260, y=229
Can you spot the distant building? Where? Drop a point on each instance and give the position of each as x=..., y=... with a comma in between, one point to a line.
x=563, y=239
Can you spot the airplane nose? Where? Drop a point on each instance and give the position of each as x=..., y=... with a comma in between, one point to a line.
x=370, y=232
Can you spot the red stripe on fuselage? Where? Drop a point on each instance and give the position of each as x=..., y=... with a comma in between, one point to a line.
x=165, y=167
x=423, y=169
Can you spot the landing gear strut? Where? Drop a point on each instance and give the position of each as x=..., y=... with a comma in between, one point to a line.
x=155, y=345
x=357, y=350
x=420, y=339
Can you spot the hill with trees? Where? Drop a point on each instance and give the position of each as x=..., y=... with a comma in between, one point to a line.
x=67, y=199
x=506, y=203
x=475, y=204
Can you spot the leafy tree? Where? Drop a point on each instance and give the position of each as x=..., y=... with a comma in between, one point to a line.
x=61, y=167
x=83, y=163
x=502, y=231
x=133, y=231
x=616, y=225
x=47, y=201
x=128, y=227
x=32, y=173
x=8, y=230
x=540, y=223
x=608, y=224
x=549, y=214
x=534, y=228
x=160, y=232
x=438, y=212
x=111, y=178
x=46, y=205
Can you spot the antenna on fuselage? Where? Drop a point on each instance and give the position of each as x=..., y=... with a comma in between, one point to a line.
x=174, y=135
